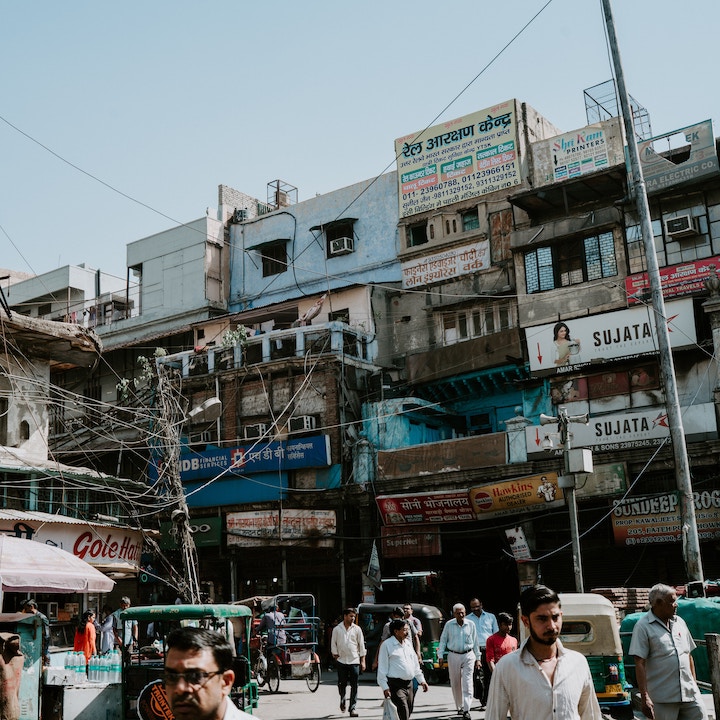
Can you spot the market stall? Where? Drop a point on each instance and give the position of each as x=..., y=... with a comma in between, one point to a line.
x=26, y=567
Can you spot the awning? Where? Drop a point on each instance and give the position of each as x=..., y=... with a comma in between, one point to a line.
x=29, y=566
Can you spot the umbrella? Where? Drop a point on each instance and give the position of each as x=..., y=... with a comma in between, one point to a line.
x=30, y=566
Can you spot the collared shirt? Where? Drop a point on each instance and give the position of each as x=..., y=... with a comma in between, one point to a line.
x=232, y=713
x=521, y=687
x=348, y=644
x=667, y=654
x=459, y=638
x=486, y=624
x=125, y=628
x=398, y=660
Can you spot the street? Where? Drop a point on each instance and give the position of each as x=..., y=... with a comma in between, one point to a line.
x=295, y=702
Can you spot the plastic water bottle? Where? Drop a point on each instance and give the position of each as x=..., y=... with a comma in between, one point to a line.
x=115, y=666
x=81, y=667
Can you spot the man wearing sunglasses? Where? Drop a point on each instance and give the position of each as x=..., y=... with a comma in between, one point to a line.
x=198, y=676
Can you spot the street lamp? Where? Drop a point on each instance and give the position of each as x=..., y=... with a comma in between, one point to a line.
x=575, y=460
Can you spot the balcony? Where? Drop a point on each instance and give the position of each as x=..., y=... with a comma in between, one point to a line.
x=333, y=338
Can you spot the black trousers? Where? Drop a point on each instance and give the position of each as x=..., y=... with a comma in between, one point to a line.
x=403, y=696
x=481, y=679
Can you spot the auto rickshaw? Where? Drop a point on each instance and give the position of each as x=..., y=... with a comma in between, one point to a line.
x=372, y=618
x=590, y=626
x=143, y=670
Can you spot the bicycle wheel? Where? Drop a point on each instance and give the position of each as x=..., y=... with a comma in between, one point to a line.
x=261, y=670
x=273, y=677
x=313, y=679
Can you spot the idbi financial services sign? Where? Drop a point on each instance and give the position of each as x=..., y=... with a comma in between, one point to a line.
x=457, y=160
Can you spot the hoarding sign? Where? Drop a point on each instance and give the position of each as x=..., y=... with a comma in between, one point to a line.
x=315, y=528
x=563, y=347
x=259, y=457
x=579, y=153
x=675, y=280
x=660, y=173
x=657, y=519
x=458, y=160
x=439, y=507
x=400, y=542
x=525, y=494
x=446, y=265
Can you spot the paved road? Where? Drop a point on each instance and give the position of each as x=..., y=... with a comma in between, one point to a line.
x=295, y=702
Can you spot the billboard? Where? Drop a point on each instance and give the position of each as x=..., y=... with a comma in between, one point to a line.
x=457, y=160
x=314, y=528
x=660, y=173
x=446, y=265
x=675, y=280
x=563, y=347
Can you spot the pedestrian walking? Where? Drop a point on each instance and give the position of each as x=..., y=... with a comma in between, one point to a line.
x=485, y=624
x=664, y=667
x=499, y=644
x=459, y=640
x=543, y=679
x=348, y=651
x=398, y=666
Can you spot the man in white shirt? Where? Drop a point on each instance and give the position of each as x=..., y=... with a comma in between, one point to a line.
x=485, y=624
x=542, y=679
x=459, y=640
x=347, y=646
x=398, y=666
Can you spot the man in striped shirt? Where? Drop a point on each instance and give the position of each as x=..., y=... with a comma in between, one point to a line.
x=460, y=641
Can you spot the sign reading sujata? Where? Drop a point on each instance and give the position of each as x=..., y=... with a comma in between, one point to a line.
x=563, y=347
x=458, y=160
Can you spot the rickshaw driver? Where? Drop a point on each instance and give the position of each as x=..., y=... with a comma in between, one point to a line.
x=198, y=676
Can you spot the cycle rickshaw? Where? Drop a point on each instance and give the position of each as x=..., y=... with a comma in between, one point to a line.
x=296, y=658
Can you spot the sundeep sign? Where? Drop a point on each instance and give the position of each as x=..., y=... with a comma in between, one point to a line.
x=568, y=346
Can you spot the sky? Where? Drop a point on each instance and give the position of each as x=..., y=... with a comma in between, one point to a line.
x=120, y=120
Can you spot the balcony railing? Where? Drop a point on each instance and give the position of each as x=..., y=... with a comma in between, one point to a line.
x=333, y=338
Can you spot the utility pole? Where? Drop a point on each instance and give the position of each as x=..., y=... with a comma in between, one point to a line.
x=690, y=538
x=171, y=419
x=574, y=460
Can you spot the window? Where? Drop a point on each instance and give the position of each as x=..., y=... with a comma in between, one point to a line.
x=470, y=220
x=274, y=258
x=340, y=316
x=477, y=322
x=334, y=232
x=417, y=234
x=570, y=262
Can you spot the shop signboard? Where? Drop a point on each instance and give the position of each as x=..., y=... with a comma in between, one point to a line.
x=458, y=160
x=314, y=528
x=675, y=280
x=657, y=519
x=446, y=265
x=439, y=507
x=418, y=541
x=509, y=497
x=105, y=547
x=572, y=345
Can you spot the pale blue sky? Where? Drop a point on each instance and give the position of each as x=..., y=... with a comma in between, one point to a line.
x=166, y=99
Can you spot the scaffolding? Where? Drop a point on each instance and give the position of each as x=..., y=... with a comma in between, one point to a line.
x=602, y=103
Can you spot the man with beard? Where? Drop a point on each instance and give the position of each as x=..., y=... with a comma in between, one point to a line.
x=198, y=676
x=542, y=679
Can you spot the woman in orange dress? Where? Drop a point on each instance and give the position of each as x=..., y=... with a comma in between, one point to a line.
x=85, y=635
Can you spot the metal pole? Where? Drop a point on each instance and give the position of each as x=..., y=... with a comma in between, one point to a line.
x=691, y=541
x=563, y=421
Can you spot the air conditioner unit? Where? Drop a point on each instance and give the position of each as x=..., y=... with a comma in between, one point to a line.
x=301, y=423
x=342, y=246
x=203, y=437
x=681, y=226
x=253, y=432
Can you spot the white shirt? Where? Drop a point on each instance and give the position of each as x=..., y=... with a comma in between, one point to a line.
x=348, y=644
x=519, y=685
x=459, y=638
x=398, y=660
x=232, y=713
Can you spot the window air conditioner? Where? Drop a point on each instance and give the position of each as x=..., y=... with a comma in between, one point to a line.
x=253, y=432
x=301, y=423
x=681, y=226
x=341, y=246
